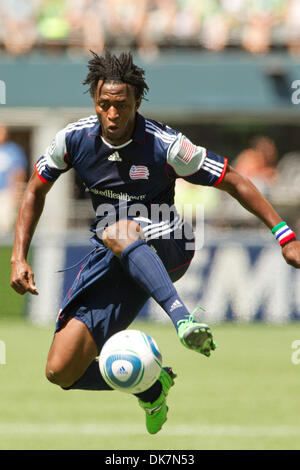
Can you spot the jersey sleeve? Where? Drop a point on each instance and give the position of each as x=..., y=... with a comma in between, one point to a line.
x=55, y=160
x=195, y=164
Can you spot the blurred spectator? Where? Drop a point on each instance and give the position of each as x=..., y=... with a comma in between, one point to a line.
x=88, y=21
x=292, y=24
x=19, y=25
x=262, y=16
x=126, y=20
x=285, y=196
x=256, y=36
x=259, y=163
x=187, y=22
x=289, y=175
x=215, y=27
x=158, y=25
x=255, y=25
x=53, y=24
x=13, y=173
x=236, y=11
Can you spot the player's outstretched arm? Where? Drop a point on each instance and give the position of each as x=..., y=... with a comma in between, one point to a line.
x=244, y=191
x=31, y=208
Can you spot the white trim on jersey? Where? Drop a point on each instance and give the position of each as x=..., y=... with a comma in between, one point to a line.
x=40, y=169
x=41, y=164
x=213, y=167
x=81, y=126
x=214, y=162
x=155, y=228
x=163, y=138
x=155, y=127
x=170, y=229
x=91, y=118
x=155, y=130
x=158, y=136
x=162, y=228
x=116, y=146
x=81, y=123
x=211, y=171
x=159, y=133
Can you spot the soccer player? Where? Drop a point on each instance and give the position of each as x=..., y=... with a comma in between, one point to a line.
x=128, y=164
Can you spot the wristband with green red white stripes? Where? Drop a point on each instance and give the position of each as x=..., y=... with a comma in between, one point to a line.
x=283, y=233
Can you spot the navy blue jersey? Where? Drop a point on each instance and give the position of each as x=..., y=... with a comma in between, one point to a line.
x=141, y=171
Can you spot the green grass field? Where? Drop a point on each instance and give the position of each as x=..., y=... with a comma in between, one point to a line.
x=12, y=305
x=244, y=397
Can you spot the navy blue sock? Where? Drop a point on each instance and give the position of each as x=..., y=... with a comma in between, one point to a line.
x=147, y=269
x=152, y=393
x=90, y=380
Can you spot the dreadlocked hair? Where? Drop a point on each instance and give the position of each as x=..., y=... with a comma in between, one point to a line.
x=115, y=69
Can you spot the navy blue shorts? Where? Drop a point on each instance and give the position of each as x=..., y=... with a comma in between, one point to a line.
x=105, y=298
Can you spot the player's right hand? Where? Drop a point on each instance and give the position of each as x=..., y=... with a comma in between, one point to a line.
x=22, y=278
x=291, y=253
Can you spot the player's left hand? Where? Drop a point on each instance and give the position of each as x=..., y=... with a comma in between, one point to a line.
x=291, y=253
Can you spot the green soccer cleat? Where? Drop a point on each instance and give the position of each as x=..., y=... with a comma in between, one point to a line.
x=195, y=335
x=156, y=412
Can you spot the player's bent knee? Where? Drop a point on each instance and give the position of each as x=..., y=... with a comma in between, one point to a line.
x=59, y=376
x=118, y=236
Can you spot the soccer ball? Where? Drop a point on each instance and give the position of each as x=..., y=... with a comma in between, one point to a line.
x=130, y=361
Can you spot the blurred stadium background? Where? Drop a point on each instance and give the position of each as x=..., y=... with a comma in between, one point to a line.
x=227, y=74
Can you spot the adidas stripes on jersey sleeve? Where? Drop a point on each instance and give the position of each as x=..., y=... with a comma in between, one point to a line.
x=195, y=164
x=54, y=161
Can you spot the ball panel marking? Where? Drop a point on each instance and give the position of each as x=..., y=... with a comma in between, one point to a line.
x=154, y=348
x=130, y=361
x=131, y=368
